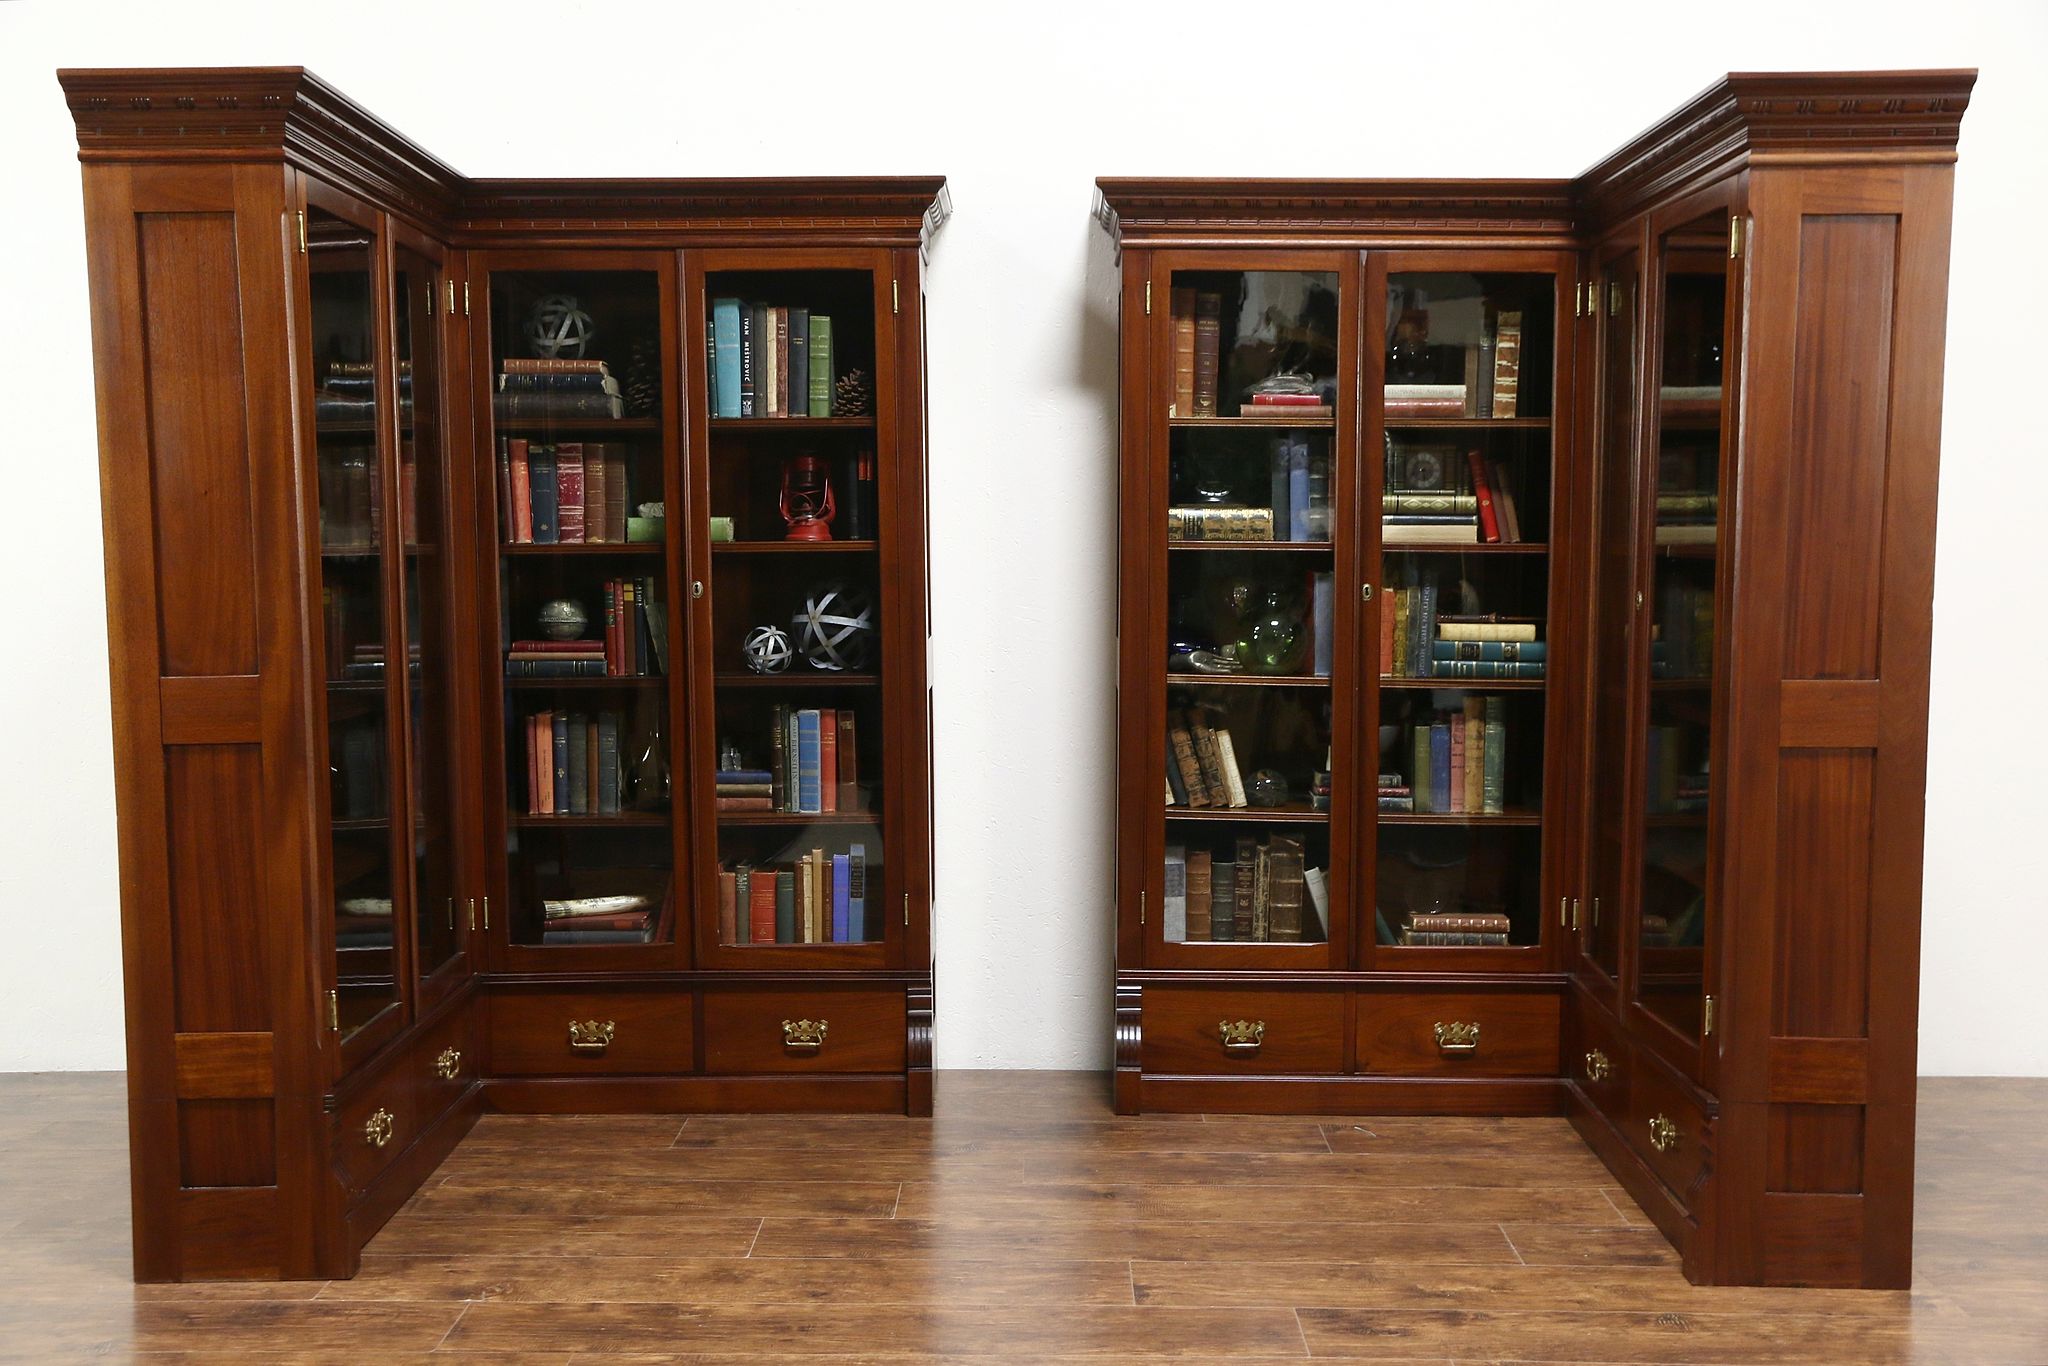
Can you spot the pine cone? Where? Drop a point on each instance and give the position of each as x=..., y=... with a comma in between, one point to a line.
x=853, y=395
x=641, y=384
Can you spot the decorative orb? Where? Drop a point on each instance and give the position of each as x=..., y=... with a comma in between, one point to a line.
x=1267, y=788
x=767, y=651
x=836, y=627
x=563, y=619
x=558, y=327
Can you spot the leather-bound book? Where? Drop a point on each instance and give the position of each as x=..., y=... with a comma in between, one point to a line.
x=596, y=515
x=828, y=761
x=1184, y=352
x=785, y=906
x=1222, y=900
x=1284, y=896
x=848, y=757
x=728, y=907
x=761, y=906
x=1188, y=766
x=1247, y=874
x=1199, y=892
x=1208, y=351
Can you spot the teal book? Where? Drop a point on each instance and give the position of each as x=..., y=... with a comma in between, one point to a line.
x=1489, y=651
x=1485, y=668
x=785, y=906
x=819, y=346
x=725, y=347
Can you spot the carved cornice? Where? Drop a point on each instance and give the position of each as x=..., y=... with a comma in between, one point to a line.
x=289, y=114
x=1149, y=211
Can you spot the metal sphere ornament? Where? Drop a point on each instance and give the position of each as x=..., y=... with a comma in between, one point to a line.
x=558, y=327
x=767, y=650
x=836, y=628
x=563, y=619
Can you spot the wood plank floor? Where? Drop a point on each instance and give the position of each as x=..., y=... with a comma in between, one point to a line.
x=1024, y=1221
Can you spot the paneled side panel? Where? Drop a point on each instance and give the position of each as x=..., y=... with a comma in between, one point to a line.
x=1816, y=1149
x=198, y=443
x=227, y=1143
x=1823, y=924
x=1835, y=467
x=213, y=801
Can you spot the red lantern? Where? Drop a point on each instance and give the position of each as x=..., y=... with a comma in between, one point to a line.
x=807, y=499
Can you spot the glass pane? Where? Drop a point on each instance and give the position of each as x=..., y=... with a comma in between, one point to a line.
x=1464, y=527
x=1673, y=892
x=1616, y=549
x=583, y=605
x=797, y=659
x=423, y=521
x=340, y=259
x=1250, y=607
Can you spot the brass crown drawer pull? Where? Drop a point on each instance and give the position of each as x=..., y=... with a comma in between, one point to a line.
x=592, y=1036
x=1456, y=1036
x=1597, y=1066
x=1663, y=1134
x=377, y=1128
x=448, y=1064
x=1241, y=1036
x=803, y=1034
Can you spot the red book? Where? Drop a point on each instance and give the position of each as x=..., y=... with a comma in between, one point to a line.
x=553, y=647
x=520, y=529
x=629, y=639
x=569, y=492
x=1288, y=400
x=743, y=803
x=761, y=907
x=728, y=907
x=1386, y=637
x=612, y=657
x=828, y=763
x=1489, y=525
x=629, y=920
x=596, y=517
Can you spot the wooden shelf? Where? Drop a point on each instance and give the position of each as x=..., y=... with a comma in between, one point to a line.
x=1195, y=680
x=1462, y=684
x=520, y=426
x=1506, y=818
x=573, y=548
x=369, y=823
x=1313, y=547
x=1676, y=820
x=355, y=685
x=1681, y=684
x=792, y=424
x=810, y=678
x=799, y=818
x=1505, y=424
x=1323, y=421
x=529, y=684
x=621, y=820
x=1475, y=548
x=1291, y=814
x=793, y=547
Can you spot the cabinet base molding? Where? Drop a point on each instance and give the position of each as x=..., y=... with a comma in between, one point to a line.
x=384, y=1196
x=1356, y=1095
x=1656, y=1199
x=845, y=1094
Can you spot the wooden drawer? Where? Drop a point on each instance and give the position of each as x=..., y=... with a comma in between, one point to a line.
x=374, y=1127
x=445, y=1062
x=1429, y=1034
x=1286, y=1031
x=1656, y=1101
x=591, y=1033
x=1599, y=1061
x=813, y=1029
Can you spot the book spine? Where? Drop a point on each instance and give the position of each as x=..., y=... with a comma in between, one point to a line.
x=725, y=347
x=785, y=906
x=821, y=366
x=857, y=893
x=1439, y=767
x=1208, y=351
x=1222, y=901
x=807, y=770
x=569, y=493
x=1485, y=668
x=608, y=764
x=1297, y=491
x=799, y=401
x=1524, y=651
x=1183, y=301
x=1200, y=875
x=748, y=316
x=778, y=402
x=778, y=765
x=1419, y=773
x=1175, y=895
x=519, y=526
x=596, y=492
x=761, y=906
x=1233, y=777
x=1456, y=727
x=1247, y=880
x=1489, y=524
x=579, y=770
x=560, y=751
x=849, y=762
x=828, y=761
x=842, y=900
x=546, y=493
x=1493, y=801
x=728, y=907
x=1475, y=756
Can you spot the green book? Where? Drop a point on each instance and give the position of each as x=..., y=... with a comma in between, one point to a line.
x=820, y=347
x=785, y=906
x=1418, y=773
x=1494, y=794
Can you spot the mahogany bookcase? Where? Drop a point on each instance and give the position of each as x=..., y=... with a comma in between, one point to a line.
x=1593, y=520
x=350, y=412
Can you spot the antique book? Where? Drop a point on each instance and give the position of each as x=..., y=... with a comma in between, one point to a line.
x=842, y=903
x=1185, y=763
x=1489, y=523
x=519, y=528
x=1474, y=751
x=1198, y=894
x=1174, y=896
x=1284, y=896
x=569, y=493
x=798, y=401
x=1219, y=524
x=1208, y=351
x=1507, y=364
x=820, y=359
x=1223, y=901
x=728, y=907
x=828, y=761
x=1233, y=777
x=1247, y=869
x=1493, y=780
x=857, y=892
x=546, y=493
x=1495, y=628
x=1262, y=893
x=596, y=486
x=749, y=400
x=849, y=762
x=761, y=907
x=725, y=351
x=1183, y=352
x=785, y=906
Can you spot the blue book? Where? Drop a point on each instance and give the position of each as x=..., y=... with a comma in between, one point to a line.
x=744, y=775
x=857, y=893
x=561, y=763
x=1485, y=668
x=608, y=763
x=808, y=795
x=725, y=346
x=1439, y=767
x=842, y=899
x=540, y=463
x=1297, y=490
x=1423, y=630
x=1491, y=649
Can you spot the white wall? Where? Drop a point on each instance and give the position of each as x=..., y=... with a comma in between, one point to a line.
x=1022, y=114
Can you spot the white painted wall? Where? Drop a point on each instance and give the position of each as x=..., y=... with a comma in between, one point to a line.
x=1022, y=112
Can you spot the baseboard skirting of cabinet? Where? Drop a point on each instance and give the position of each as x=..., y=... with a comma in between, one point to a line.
x=397, y=1183
x=886, y=1093
x=1656, y=1199
x=1341, y=1095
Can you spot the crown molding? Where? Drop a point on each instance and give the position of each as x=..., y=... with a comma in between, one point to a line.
x=1155, y=211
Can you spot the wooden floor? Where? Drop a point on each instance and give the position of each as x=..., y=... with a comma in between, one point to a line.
x=1024, y=1221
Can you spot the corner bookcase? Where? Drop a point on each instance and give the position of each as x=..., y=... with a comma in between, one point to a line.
x=1522, y=653
x=631, y=476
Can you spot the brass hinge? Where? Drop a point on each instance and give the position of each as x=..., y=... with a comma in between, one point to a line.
x=465, y=298
x=1614, y=299
x=1579, y=300
x=1148, y=298
x=451, y=298
x=1141, y=908
x=300, y=214
x=895, y=296
x=1735, y=237
x=451, y=913
x=334, y=1011
x=487, y=913
x=1576, y=921
x=472, y=915
x=906, y=908
x=1707, y=1018
x=1564, y=915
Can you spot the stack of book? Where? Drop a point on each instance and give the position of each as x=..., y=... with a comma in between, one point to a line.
x=597, y=920
x=362, y=922
x=1490, y=387
x=1462, y=929
x=1674, y=789
x=1460, y=760
x=1690, y=518
x=1201, y=764
x=768, y=360
x=1286, y=407
x=575, y=390
x=572, y=764
x=1683, y=636
x=816, y=898
x=1204, y=523
x=1435, y=496
x=366, y=661
x=563, y=492
x=1395, y=793
x=348, y=392
x=556, y=659
x=744, y=789
x=1256, y=893
x=815, y=763
x=1417, y=642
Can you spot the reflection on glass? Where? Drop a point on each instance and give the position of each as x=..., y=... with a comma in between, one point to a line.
x=1616, y=305
x=583, y=605
x=1672, y=907
x=795, y=524
x=345, y=407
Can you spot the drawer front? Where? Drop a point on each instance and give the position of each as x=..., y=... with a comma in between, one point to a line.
x=591, y=1033
x=1667, y=1129
x=1451, y=1034
x=807, y=1030
x=1599, y=1062
x=1256, y=1033
x=445, y=1063
x=374, y=1127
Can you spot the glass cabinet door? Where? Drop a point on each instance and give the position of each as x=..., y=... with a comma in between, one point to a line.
x=423, y=521
x=578, y=379
x=1616, y=306
x=1464, y=484
x=1254, y=646
x=354, y=537
x=792, y=484
x=1687, y=477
